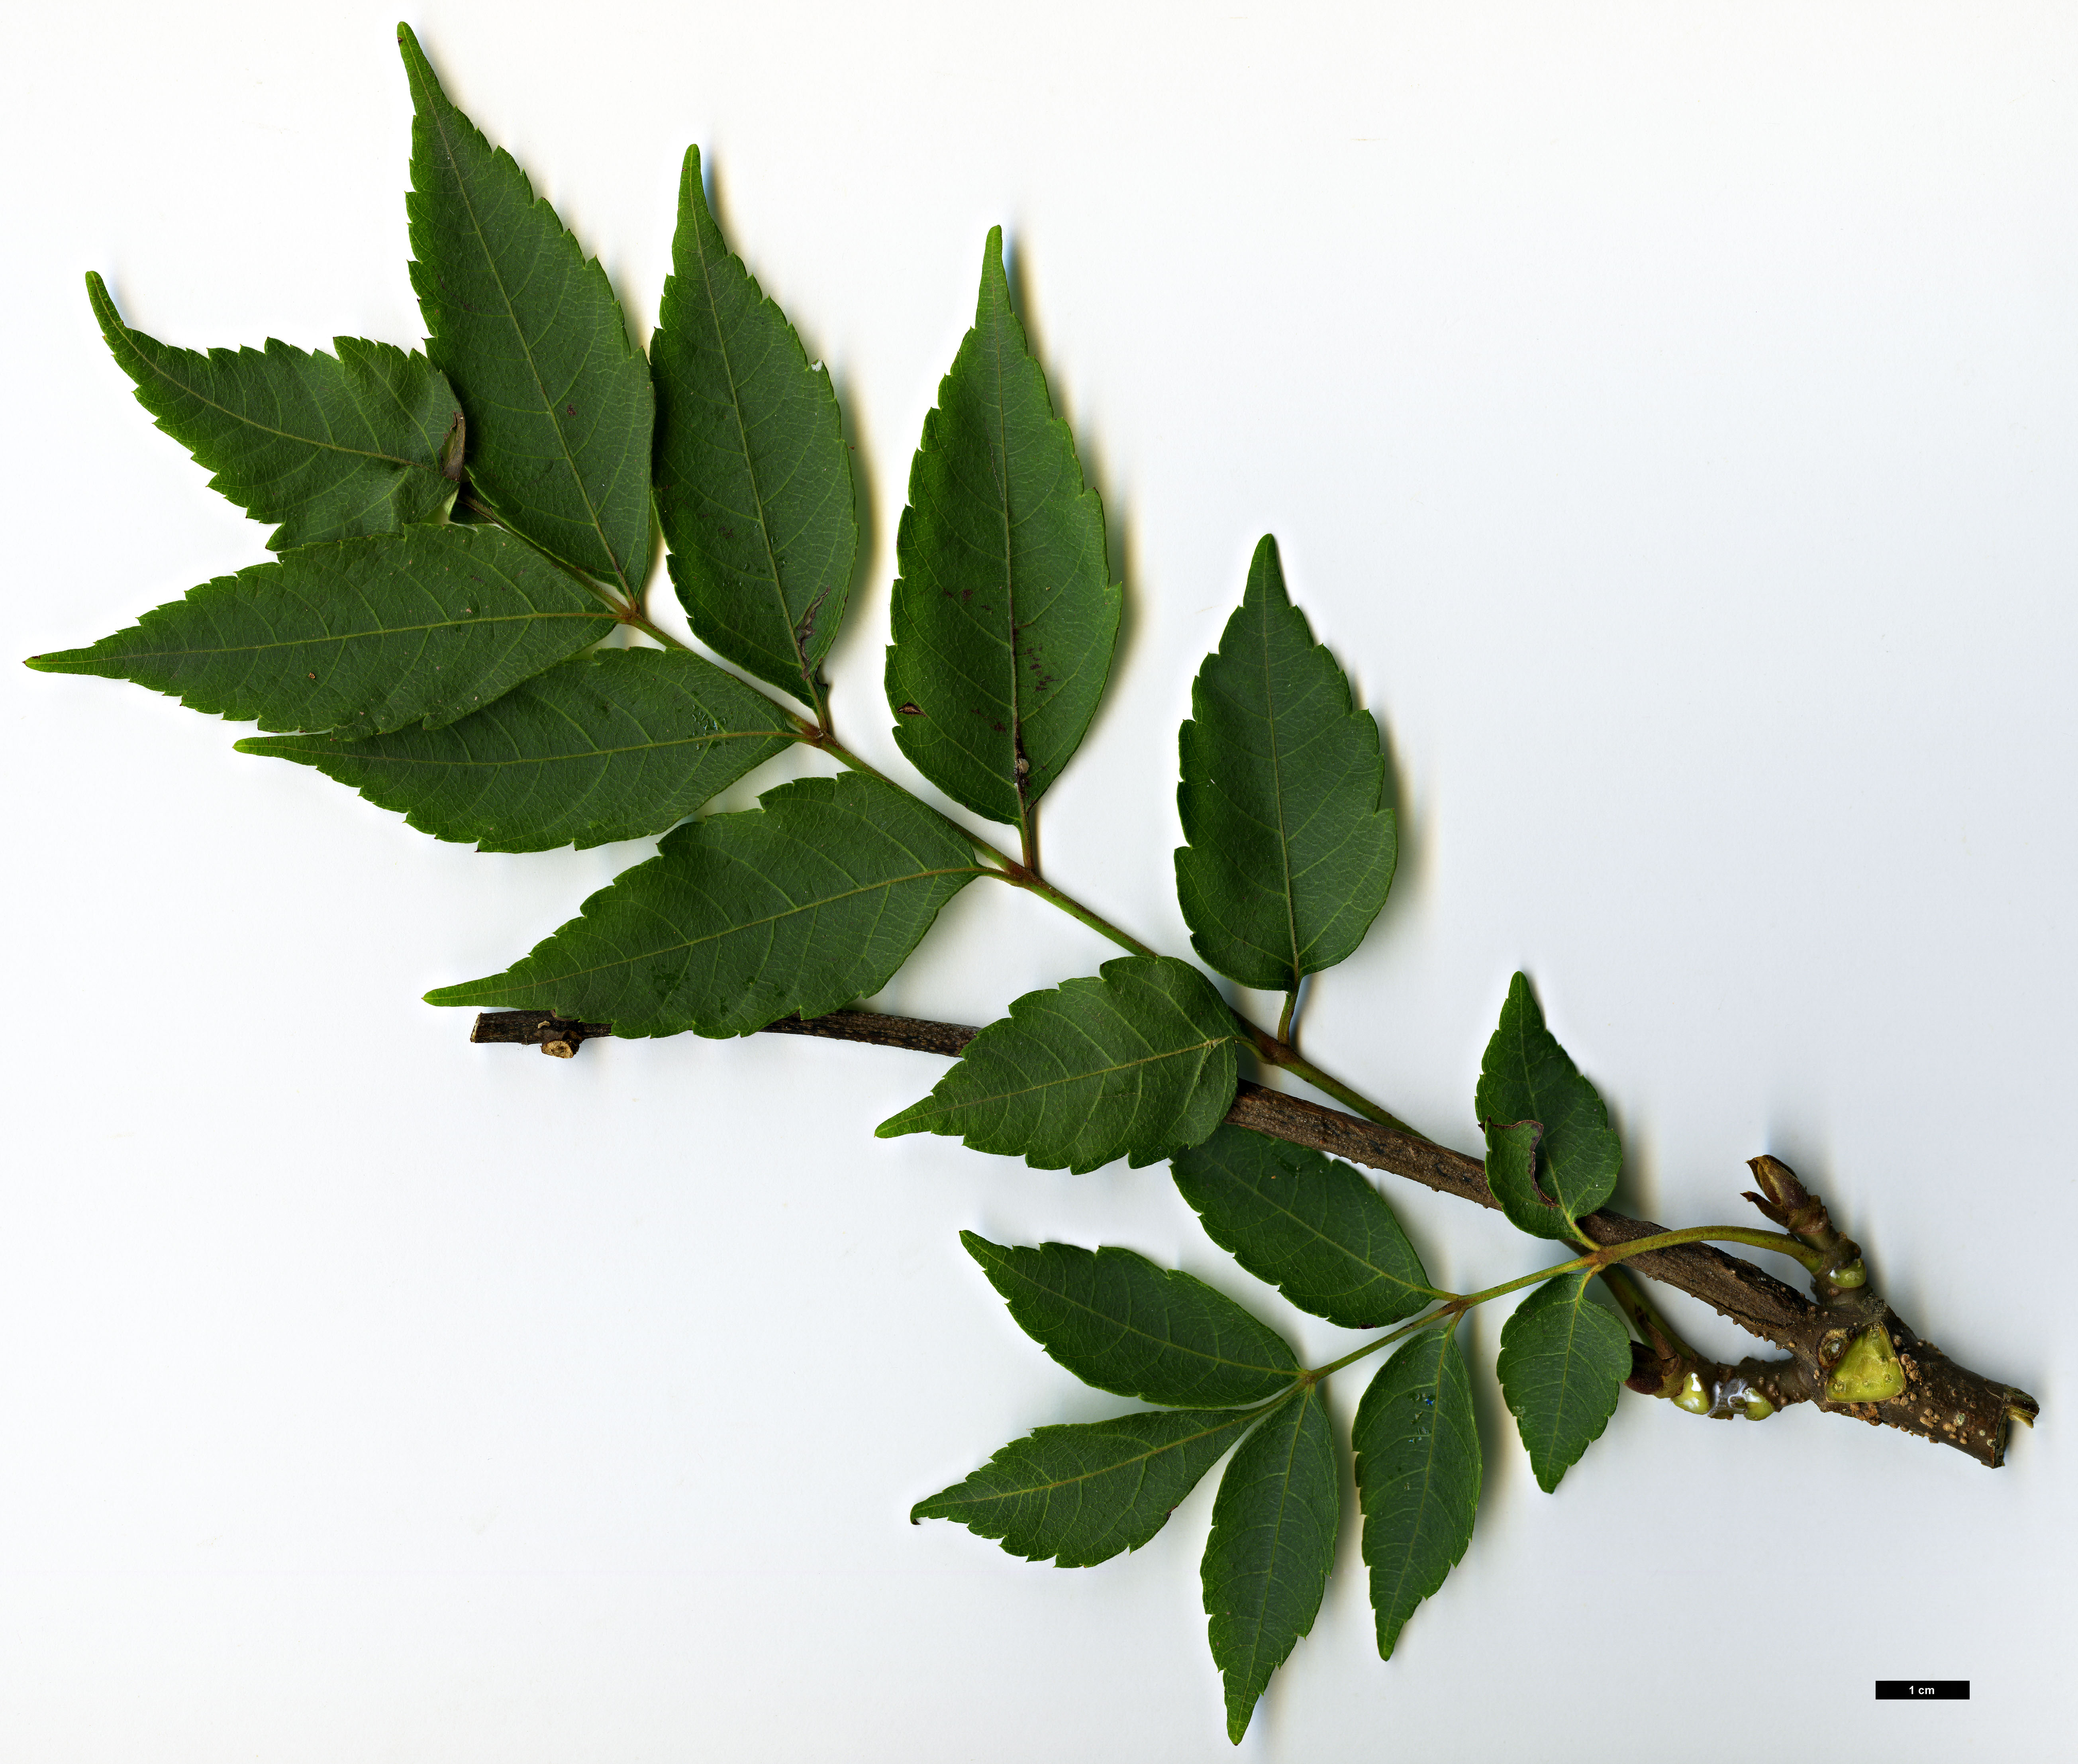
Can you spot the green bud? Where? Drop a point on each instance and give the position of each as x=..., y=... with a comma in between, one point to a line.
x=1868, y=1372
x=1693, y=1396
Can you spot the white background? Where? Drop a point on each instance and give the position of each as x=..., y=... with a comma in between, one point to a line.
x=1669, y=412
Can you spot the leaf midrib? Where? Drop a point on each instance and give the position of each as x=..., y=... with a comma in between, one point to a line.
x=1256, y=1622
x=1573, y=1304
x=1000, y=461
x=526, y=349
x=749, y=464
x=356, y=637
x=551, y=759
x=1277, y=791
x=1434, y=1386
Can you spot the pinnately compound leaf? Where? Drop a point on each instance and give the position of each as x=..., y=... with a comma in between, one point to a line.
x=331, y=446
x=1563, y=1359
x=1543, y=1181
x=753, y=482
x=1079, y=1495
x=369, y=635
x=1137, y=1063
x=1272, y=1544
x=799, y=906
x=1290, y=854
x=1306, y=1223
x=1116, y=1321
x=1418, y=1470
x=1005, y=612
x=607, y=746
x=527, y=328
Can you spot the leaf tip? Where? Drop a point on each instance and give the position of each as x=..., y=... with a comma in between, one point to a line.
x=415, y=63
x=1266, y=572
x=995, y=283
x=895, y=1125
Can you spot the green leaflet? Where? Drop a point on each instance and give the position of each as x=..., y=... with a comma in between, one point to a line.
x=1308, y=1224
x=1563, y=1359
x=526, y=327
x=421, y=626
x=1417, y=1447
x=1273, y=1543
x=1137, y=1063
x=754, y=481
x=1512, y=1174
x=331, y=446
x=1005, y=612
x=799, y=906
x=607, y=746
x=1118, y=1322
x=1289, y=856
x=1080, y=1495
x=1543, y=1181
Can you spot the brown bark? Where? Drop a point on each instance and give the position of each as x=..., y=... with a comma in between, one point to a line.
x=1942, y=1401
